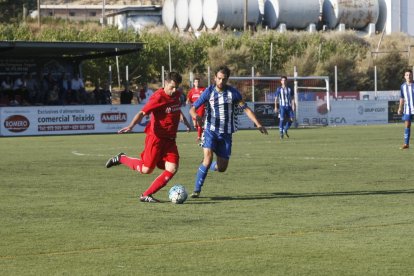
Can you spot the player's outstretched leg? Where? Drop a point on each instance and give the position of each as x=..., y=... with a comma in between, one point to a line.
x=156, y=185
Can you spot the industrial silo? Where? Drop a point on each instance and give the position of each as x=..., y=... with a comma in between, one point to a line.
x=355, y=14
x=229, y=13
x=384, y=7
x=195, y=14
x=296, y=14
x=168, y=14
x=181, y=15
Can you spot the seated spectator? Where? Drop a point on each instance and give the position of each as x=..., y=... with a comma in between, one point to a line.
x=6, y=84
x=64, y=87
x=32, y=88
x=77, y=90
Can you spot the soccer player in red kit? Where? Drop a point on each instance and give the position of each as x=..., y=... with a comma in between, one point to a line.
x=192, y=97
x=160, y=146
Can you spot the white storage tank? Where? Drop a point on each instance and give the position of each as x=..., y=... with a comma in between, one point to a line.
x=296, y=14
x=229, y=13
x=168, y=14
x=181, y=15
x=195, y=14
x=355, y=14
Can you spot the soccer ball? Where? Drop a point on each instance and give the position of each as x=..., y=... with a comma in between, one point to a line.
x=177, y=194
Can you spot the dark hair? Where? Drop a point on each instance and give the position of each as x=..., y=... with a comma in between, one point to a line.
x=408, y=70
x=223, y=69
x=197, y=79
x=283, y=77
x=174, y=76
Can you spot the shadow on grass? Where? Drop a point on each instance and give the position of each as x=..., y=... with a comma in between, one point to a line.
x=304, y=195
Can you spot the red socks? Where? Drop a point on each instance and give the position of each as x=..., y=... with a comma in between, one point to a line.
x=158, y=183
x=199, y=131
x=133, y=163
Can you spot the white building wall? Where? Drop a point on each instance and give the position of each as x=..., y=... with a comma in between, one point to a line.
x=397, y=15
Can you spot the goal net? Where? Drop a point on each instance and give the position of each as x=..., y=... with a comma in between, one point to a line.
x=312, y=98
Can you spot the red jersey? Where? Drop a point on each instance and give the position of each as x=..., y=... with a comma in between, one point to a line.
x=193, y=96
x=165, y=116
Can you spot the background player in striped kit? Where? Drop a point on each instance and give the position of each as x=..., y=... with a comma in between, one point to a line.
x=285, y=105
x=221, y=102
x=406, y=102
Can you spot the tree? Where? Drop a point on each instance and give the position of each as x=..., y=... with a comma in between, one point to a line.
x=11, y=11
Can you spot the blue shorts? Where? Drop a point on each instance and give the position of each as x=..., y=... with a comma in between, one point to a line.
x=286, y=112
x=407, y=117
x=219, y=143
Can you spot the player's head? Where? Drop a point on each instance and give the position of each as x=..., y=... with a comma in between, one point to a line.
x=172, y=82
x=222, y=76
x=196, y=82
x=283, y=80
x=408, y=75
x=174, y=76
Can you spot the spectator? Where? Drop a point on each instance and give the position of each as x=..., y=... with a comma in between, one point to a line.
x=64, y=87
x=126, y=95
x=77, y=90
x=145, y=93
x=32, y=88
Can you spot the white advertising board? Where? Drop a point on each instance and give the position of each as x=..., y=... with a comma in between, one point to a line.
x=60, y=120
x=343, y=113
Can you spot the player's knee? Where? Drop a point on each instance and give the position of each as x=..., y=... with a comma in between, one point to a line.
x=219, y=169
x=146, y=170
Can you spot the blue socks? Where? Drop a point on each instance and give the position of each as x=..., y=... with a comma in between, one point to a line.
x=200, y=177
x=407, y=134
x=213, y=166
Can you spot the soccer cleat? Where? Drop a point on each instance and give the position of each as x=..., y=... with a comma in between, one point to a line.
x=405, y=146
x=114, y=161
x=148, y=199
x=195, y=195
x=286, y=134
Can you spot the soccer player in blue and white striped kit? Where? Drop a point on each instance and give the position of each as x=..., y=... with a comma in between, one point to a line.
x=221, y=101
x=407, y=101
x=285, y=105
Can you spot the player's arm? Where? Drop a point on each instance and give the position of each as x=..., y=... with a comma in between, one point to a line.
x=136, y=120
x=277, y=101
x=276, y=104
x=252, y=117
x=400, y=106
x=195, y=116
x=185, y=121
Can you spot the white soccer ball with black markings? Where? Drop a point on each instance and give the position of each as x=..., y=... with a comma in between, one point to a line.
x=178, y=194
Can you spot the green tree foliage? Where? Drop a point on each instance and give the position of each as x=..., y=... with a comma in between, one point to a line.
x=269, y=52
x=11, y=11
x=390, y=70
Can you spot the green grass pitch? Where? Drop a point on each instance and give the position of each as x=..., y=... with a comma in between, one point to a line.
x=327, y=201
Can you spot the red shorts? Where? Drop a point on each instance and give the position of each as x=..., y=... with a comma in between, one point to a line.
x=157, y=151
x=200, y=111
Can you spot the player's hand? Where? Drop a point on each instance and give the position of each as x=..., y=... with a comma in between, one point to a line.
x=262, y=130
x=125, y=130
x=199, y=120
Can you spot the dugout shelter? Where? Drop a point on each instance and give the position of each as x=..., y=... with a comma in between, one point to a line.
x=39, y=57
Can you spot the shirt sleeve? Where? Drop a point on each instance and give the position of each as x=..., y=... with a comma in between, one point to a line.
x=203, y=98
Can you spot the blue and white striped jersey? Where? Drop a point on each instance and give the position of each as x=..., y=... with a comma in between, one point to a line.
x=407, y=93
x=221, y=113
x=285, y=96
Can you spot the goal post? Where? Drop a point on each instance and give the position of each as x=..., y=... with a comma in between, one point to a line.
x=312, y=97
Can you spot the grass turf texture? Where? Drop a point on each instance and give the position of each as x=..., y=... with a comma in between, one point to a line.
x=327, y=201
